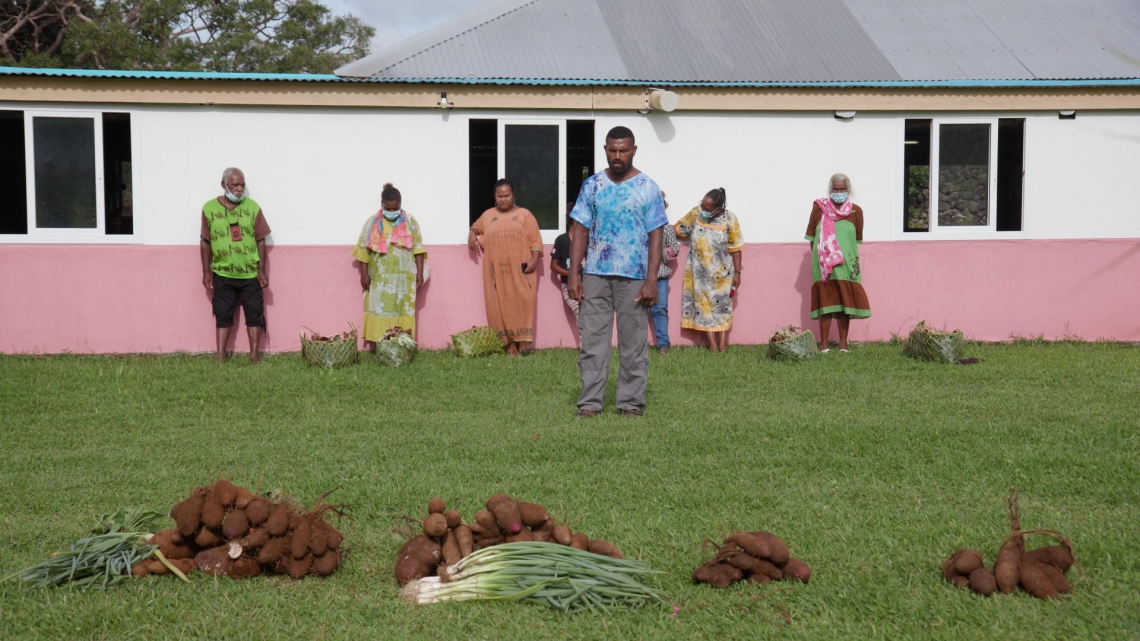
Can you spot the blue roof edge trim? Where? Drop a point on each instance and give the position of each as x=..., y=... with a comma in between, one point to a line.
x=888, y=84
x=580, y=82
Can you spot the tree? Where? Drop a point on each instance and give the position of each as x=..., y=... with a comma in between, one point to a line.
x=272, y=36
x=32, y=31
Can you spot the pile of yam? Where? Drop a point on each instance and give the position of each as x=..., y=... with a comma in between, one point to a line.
x=447, y=537
x=224, y=529
x=756, y=557
x=1040, y=572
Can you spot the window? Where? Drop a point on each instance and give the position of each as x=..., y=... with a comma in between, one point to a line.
x=547, y=160
x=531, y=157
x=974, y=182
x=68, y=177
x=65, y=175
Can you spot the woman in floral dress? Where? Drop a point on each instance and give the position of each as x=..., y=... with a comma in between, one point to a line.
x=712, y=271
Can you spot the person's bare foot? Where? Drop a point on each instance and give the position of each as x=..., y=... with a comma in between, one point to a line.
x=662, y=350
x=255, y=359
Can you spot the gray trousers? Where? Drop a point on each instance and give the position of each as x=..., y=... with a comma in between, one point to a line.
x=602, y=297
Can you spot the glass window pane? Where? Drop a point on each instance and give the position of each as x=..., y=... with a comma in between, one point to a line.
x=963, y=175
x=532, y=165
x=64, y=151
x=916, y=154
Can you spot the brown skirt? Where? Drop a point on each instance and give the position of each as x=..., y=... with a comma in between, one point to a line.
x=839, y=297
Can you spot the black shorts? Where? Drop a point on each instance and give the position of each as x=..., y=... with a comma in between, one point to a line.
x=227, y=292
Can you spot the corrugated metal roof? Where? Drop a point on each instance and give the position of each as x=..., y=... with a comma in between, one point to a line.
x=742, y=40
x=764, y=41
x=171, y=75
x=1009, y=39
x=515, y=38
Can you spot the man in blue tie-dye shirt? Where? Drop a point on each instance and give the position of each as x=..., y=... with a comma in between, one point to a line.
x=620, y=212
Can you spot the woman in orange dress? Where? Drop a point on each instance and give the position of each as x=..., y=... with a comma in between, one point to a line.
x=512, y=246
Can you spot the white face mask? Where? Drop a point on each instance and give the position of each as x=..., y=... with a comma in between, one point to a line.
x=234, y=199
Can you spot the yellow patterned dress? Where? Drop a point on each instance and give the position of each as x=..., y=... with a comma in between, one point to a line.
x=391, y=299
x=706, y=302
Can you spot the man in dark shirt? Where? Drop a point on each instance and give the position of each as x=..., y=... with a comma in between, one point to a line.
x=560, y=259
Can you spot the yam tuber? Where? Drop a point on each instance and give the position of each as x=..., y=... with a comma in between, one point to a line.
x=532, y=514
x=435, y=525
x=797, y=569
x=604, y=548
x=982, y=581
x=1006, y=570
x=1057, y=556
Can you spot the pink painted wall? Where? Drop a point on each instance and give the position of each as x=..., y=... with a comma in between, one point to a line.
x=137, y=298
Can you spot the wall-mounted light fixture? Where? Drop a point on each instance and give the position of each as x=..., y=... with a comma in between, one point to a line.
x=1067, y=114
x=443, y=102
x=845, y=116
x=659, y=100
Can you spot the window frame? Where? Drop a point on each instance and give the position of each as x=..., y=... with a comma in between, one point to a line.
x=991, y=175
x=954, y=232
x=548, y=235
x=75, y=236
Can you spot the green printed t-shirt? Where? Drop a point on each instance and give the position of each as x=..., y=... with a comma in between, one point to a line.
x=233, y=235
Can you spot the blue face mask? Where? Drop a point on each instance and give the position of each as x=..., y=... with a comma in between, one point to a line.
x=391, y=215
x=705, y=215
x=234, y=199
x=839, y=197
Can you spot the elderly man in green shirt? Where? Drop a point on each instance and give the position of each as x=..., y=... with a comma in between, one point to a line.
x=233, y=260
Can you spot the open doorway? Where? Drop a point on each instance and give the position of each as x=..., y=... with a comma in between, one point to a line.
x=579, y=155
x=1011, y=173
x=13, y=176
x=482, y=165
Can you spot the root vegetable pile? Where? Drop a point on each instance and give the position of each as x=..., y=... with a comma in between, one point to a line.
x=224, y=529
x=756, y=557
x=447, y=538
x=1040, y=572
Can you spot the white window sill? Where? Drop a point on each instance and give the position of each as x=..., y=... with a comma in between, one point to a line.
x=69, y=238
x=963, y=235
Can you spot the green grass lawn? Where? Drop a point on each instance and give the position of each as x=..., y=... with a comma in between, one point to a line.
x=872, y=467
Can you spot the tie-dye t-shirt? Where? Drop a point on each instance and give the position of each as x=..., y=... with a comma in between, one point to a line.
x=619, y=217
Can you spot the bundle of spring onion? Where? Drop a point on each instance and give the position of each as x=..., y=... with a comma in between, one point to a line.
x=559, y=576
x=102, y=560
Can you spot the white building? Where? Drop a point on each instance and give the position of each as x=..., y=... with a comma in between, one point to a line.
x=1034, y=104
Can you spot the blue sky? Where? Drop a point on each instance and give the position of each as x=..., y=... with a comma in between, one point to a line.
x=397, y=19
